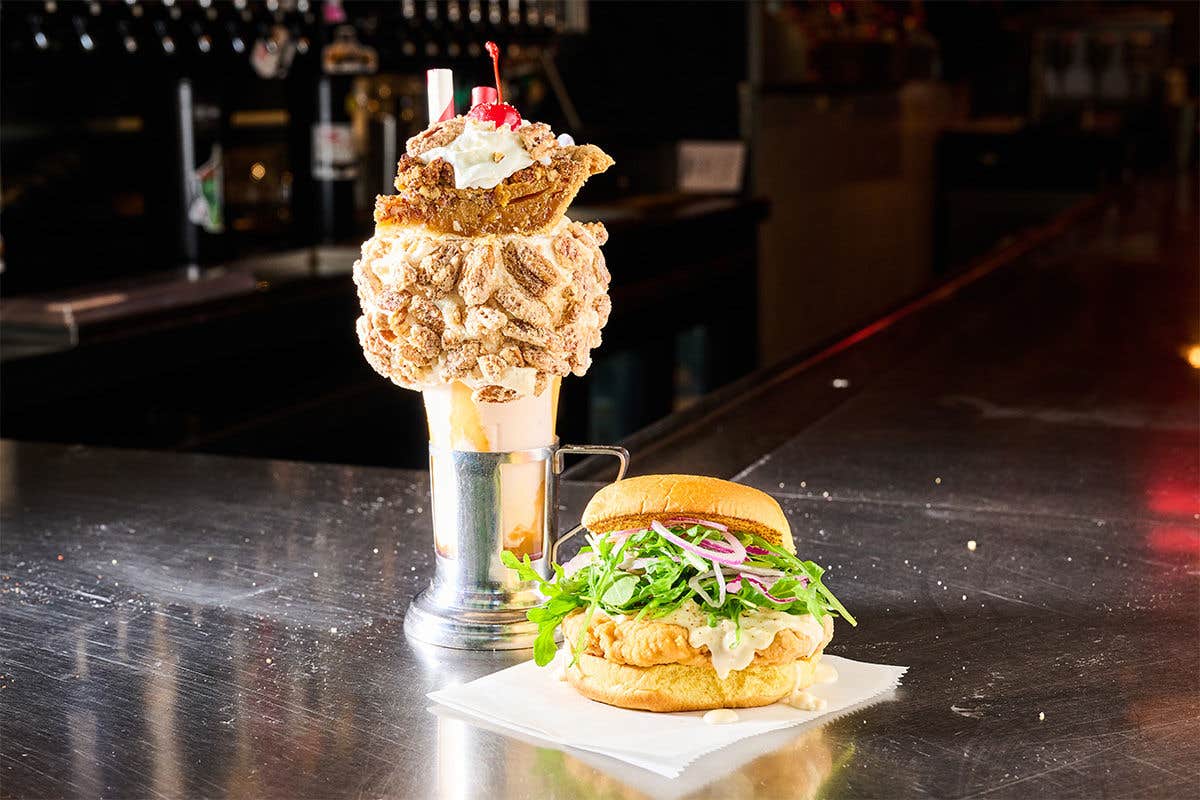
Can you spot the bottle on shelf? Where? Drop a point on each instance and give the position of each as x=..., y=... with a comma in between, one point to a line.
x=335, y=153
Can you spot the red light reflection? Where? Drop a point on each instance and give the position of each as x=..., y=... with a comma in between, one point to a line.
x=1175, y=540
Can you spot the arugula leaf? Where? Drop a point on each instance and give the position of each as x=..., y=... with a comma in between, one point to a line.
x=621, y=590
x=526, y=572
x=544, y=645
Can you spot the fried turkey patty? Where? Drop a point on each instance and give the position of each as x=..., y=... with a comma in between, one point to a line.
x=646, y=643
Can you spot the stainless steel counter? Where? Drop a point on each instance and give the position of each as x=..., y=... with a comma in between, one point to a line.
x=181, y=626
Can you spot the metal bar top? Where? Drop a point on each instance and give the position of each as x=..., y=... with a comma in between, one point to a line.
x=1004, y=489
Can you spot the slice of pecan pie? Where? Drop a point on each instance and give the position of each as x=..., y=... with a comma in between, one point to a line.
x=529, y=201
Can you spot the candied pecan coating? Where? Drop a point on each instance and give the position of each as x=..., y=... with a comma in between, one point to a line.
x=500, y=313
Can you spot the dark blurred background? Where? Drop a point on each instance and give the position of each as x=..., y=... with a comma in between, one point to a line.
x=185, y=185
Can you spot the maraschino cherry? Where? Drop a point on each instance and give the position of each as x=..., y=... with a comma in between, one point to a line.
x=500, y=112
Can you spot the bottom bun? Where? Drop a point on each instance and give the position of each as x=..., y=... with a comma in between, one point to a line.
x=677, y=687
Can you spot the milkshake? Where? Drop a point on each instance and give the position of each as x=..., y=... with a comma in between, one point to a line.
x=479, y=292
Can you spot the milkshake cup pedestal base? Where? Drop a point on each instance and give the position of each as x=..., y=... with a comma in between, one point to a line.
x=497, y=629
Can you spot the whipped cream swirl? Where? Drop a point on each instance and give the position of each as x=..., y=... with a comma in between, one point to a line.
x=482, y=155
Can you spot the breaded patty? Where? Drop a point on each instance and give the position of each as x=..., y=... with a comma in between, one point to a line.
x=646, y=643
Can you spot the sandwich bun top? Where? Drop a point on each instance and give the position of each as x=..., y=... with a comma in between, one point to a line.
x=634, y=502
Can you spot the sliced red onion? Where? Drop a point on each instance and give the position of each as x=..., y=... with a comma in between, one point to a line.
x=720, y=576
x=755, y=550
x=764, y=572
x=734, y=585
x=720, y=558
x=716, y=526
x=718, y=546
x=739, y=549
x=762, y=587
x=619, y=536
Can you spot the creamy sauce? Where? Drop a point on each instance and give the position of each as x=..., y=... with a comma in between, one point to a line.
x=825, y=674
x=482, y=155
x=720, y=716
x=758, y=631
x=558, y=666
x=806, y=701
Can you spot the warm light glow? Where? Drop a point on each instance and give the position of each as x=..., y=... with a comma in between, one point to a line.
x=258, y=171
x=1192, y=354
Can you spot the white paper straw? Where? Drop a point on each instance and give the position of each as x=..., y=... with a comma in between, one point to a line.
x=440, y=87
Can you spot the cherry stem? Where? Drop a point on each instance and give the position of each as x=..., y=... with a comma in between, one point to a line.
x=494, y=52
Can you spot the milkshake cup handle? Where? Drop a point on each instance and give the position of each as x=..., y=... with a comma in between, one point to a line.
x=619, y=453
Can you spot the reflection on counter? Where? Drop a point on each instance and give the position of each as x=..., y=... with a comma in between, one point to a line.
x=787, y=763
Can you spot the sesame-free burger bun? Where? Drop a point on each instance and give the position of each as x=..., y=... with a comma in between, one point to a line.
x=634, y=502
x=679, y=687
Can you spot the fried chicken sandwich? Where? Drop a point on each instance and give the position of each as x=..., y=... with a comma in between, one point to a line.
x=688, y=596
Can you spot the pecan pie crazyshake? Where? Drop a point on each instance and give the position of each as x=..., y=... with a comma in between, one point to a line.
x=476, y=288
x=475, y=274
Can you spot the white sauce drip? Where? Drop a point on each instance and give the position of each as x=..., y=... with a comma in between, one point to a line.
x=558, y=666
x=482, y=155
x=806, y=701
x=720, y=716
x=758, y=631
x=825, y=674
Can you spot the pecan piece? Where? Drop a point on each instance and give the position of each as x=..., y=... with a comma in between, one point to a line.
x=524, y=332
x=523, y=307
x=603, y=306
x=460, y=361
x=544, y=361
x=537, y=139
x=493, y=394
x=570, y=249
x=512, y=356
x=421, y=345
x=438, y=272
x=390, y=300
x=529, y=268
x=597, y=231
x=492, y=367
x=482, y=320
x=365, y=279
x=478, y=278
x=427, y=313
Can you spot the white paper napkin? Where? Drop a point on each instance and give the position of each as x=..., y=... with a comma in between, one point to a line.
x=531, y=701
